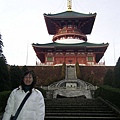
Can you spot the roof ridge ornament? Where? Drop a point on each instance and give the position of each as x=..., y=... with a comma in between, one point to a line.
x=69, y=5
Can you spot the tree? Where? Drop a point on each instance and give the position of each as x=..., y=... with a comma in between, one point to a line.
x=4, y=76
x=1, y=51
x=15, y=75
x=117, y=74
x=4, y=73
x=109, y=77
x=24, y=69
x=78, y=73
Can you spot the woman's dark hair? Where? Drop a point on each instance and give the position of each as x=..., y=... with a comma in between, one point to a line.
x=34, y=79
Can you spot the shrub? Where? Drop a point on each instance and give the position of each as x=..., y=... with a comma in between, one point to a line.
x=3, y=99
x=109, y=93
x=109, y=77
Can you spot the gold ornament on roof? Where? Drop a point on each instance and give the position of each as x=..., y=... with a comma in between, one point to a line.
x=69, y=5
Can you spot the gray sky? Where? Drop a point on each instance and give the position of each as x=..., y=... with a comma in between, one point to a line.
x=22, y=23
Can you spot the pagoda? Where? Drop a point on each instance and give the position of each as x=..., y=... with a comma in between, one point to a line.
x=66, y=27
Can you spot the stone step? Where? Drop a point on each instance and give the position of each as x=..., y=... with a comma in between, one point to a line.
x=78, y=111
x=83, y=114
x=70, y=73
x=81, y=118
x=76, y=108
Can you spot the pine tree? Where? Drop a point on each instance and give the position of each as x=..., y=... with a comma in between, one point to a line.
x=117, y=74
x=1, y=51
x=4, y=73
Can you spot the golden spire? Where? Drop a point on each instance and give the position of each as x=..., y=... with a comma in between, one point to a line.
x=69, y=5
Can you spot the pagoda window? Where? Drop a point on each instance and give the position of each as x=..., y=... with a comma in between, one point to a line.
x=49, y=58
x=90, y=58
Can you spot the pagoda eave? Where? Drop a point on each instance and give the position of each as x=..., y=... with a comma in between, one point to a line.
x=70, y=45
x=85, y=47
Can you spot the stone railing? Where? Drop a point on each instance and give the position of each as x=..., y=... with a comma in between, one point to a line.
x=73, y=88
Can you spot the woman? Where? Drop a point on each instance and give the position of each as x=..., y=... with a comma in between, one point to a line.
x=34, y=107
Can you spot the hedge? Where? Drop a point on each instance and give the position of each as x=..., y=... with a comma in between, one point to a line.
x=109, y=93
x=3, y=99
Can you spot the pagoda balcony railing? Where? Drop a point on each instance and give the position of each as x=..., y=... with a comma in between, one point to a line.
x=67, y=35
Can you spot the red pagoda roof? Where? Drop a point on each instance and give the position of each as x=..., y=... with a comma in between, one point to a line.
x=84, y=22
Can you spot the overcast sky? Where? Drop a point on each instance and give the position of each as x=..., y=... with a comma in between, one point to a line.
x=22, y=23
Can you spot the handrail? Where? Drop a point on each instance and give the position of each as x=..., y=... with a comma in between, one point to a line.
x=110, y=105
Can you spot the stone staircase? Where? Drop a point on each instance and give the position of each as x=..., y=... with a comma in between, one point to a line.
x=79, y=109
x=70, y=72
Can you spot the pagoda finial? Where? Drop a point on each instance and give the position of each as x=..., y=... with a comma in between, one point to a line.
x=69, y=5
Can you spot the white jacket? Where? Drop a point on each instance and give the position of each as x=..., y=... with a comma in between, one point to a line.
x=33, y=109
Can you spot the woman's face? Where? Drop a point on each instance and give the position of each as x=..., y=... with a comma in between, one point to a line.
x=28, y=79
